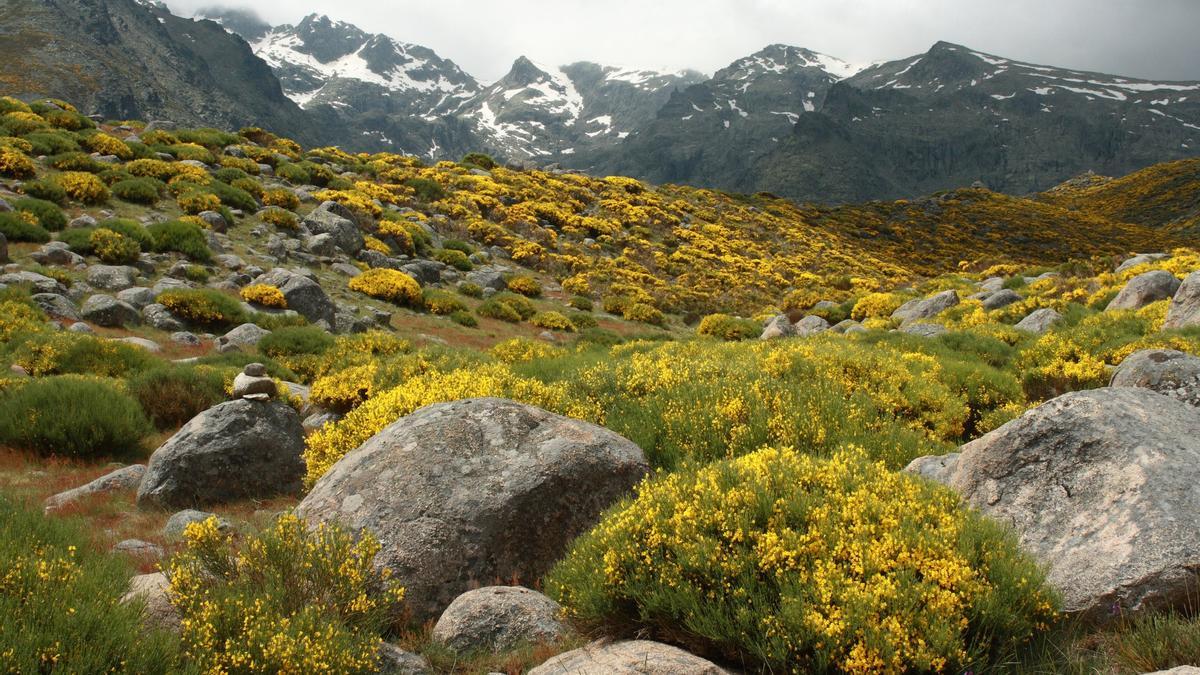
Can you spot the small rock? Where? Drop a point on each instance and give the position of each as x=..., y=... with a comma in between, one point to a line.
x=139, y=548
x=142, y=343
x=811, y=325
x=158, y=316
x=151, y=589
x=1001, y=298
x=395, y=661
x=138, y=296
x=630, y=657
x=179, y=521
x=111, y=277
x=1185, y=306
x=126, y=478
x=185, y=338
x=923, y=329
x=498, y=618
x=778, y=327
x=927, y=307
x=245, y=336
x=1039, y=321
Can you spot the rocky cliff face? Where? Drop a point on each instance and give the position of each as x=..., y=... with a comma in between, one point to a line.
x=126, y=59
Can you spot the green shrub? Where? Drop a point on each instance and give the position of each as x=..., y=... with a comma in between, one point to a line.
x=464, y=318
x=130, y=228
x=582, y=320
x=234, y=197
x=214, y=139
x=47, y=213
x=581, y=302
x=480, y=160
x=458, y=245
x=45, y=189
x=171, y=396
x=60, y=599
x=507, y=307
x=229, y=174
x=139, y=190
x=293, y=173
x=292, y=599
x=71, y=416
x=444, y=303
x=52, y=142
x=427, y=190
x=181, y=237
x=203, y=306
x=113, y=176
x=295, y=340
x=79, y=239
x=65, y=353
x=787, y=562
x=76, y=161
x=470, y=289
x=17, y=227
x=456, y=259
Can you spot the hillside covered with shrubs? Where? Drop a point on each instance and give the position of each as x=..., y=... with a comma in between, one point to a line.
x=776, y=367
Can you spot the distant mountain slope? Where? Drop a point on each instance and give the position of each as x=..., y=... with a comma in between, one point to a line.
x=1164, y=195
x=536, y=111
x=947, y=117
x=126, y=59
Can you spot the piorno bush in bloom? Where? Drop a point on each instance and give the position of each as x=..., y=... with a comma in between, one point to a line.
x=805, y=565
x=202, y=306
x=265, y=295
x=290, y=600
x=59, y=599
x=727, y=327
x=391, y=285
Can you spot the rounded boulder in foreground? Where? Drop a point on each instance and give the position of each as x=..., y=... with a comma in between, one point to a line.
x=468, y=493
x=498, y=618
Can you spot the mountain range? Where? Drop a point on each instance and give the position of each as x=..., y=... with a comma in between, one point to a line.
x=784, y=120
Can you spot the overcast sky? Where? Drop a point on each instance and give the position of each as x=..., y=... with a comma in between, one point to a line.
x=1143, y=38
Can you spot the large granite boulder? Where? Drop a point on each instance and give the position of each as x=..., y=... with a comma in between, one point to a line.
x=778, y=327
x=302, y=294
x=498, y=618
x=331, y=218
x=1166, y=371
x=1145, y=289
x=111, y=277
x=107, y=311
x=923, y=308
x=1100, y=486
x=236, y=450
x=1039, y=321
x=465, y=493
x=1185, y=306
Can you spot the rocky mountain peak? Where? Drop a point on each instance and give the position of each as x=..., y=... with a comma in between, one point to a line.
x=244, y=22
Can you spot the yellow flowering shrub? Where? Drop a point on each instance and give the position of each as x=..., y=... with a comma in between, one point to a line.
x=59, y=597
x=525, y=285
x=114, y=248
x=377, y=245
x=107, y=145
x=14, y=163
x=796, y=564
x=640, y=311
x=386, y=284
x=281, y=197
x=203, y=306
x=551, y=320
x=729, y=327
x=281, y=218
x=877, y=306
x=195, y=201
x=293, y=599
x=152, y=168
x=345, y=388
x=333, y=441
x=522, y=350
x=265, y=295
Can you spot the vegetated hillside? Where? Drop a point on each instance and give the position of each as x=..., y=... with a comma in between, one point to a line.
x=1165, y=196
x=128, y=60
x=155, y=273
